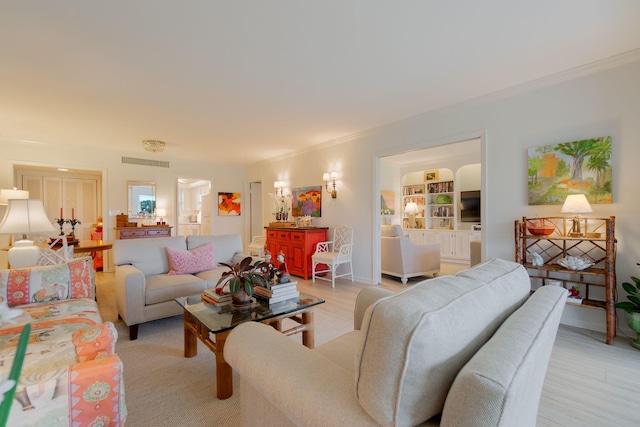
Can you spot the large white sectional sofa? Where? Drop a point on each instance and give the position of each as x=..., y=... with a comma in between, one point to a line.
x=146, y=291
x=464, y=350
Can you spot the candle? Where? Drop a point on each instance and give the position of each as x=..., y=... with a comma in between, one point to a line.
x=60, y=213
x=72, y=214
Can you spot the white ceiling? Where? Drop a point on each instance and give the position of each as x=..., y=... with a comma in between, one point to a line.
x=240, y=81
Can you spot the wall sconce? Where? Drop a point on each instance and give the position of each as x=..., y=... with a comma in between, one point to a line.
x=279, y=186
x=576, y=204
x=330, y=177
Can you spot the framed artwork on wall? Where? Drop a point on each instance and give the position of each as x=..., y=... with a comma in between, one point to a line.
x=387, y=202
x=431, y=175
x=306, y=201
x=229, y=204
x=577, y=167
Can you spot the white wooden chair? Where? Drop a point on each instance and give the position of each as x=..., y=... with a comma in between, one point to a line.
x=256, y=247
x=52, y=255
x=333, y=254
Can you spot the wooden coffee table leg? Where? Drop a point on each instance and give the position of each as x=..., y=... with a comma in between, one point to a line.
x=224, y=377
x=308, y=339
x=190, y=338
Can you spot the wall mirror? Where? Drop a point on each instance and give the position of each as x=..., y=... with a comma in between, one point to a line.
x=142, y=198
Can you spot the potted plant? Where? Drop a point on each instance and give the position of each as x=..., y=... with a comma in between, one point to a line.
x=632, y=307
x=241, y=278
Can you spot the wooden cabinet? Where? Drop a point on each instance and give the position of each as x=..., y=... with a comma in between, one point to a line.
x=597, y=245
x=297, y=244
x=142, y=232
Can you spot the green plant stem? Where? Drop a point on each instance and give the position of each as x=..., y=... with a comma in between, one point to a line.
x=16, y=368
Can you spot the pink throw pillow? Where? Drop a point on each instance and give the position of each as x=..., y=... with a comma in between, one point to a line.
x=182, y=261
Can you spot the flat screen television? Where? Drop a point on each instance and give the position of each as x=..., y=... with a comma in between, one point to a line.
x=470, y=206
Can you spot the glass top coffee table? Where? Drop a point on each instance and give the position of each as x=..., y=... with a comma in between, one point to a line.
x=203, y=320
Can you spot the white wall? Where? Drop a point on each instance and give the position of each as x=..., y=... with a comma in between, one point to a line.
x=116, y=174
x=602, y=103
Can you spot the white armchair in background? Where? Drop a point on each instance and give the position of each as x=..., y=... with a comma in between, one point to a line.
x=256, y=247
x=402, y=258
x=332, y=254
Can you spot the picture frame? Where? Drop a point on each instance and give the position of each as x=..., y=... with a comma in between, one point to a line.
x=431, y=175
x=229, y=204
x=307, y=201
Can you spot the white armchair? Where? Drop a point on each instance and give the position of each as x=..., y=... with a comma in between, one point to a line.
x=256, y=247
x=332, y=254
x=402, y=258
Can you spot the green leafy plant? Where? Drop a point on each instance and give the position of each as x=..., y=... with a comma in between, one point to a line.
x=244, y=275
x=633, y=295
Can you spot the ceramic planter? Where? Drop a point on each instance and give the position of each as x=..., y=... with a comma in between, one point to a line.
x=633, y=320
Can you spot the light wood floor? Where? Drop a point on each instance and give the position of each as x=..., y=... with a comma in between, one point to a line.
x=588, y=383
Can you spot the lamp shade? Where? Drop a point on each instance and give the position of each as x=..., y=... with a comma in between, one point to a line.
x=411, y=208
x=161, y=212
x=576, y=203
x=7, y=194
x=25, y=216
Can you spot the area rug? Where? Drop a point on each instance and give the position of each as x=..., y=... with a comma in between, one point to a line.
x=163, y=388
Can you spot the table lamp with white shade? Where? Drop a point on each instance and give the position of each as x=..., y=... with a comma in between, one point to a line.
x=25, y=216
x=160, y=214
x=576, y=204
x=411, y=209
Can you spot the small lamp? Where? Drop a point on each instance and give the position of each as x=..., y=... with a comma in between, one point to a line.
x=411, y=209
x=160, y=213
x=330, y=177
x=25, y=216
x=576, y=204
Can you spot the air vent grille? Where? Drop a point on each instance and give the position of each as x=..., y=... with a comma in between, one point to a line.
x=145, y=162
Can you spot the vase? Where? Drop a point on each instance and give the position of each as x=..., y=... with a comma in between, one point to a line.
x=633, y=320
x=241, y=300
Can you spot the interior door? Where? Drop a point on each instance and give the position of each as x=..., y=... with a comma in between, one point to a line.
x=255, y=191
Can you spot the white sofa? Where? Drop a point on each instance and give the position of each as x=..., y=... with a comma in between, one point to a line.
x=402, y=258
x=464, y=350
x=144, y=289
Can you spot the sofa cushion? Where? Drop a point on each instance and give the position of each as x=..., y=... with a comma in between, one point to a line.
x=226, y=245
x=147, y=255
x=162, y=287
x=183, y=261
x=417, y=340
x=502, y=383
x=48, y=283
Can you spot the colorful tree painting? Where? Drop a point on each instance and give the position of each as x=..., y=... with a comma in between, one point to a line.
x=306, y=201
x=576, y=167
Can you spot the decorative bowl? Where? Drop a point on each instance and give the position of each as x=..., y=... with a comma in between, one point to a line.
x=574, y=263
x=541, y=231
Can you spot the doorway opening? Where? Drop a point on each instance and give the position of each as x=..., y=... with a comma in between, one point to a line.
x=391, y=167
x=194, y=205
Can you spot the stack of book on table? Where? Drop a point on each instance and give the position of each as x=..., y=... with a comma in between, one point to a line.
x=210, y=296
x=277, y=293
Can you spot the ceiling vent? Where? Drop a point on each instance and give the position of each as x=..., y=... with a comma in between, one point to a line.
x=145, y=162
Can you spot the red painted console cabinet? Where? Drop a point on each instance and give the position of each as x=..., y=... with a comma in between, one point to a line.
x=297, y=244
